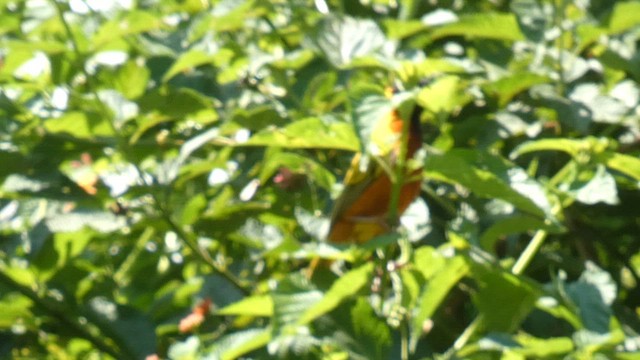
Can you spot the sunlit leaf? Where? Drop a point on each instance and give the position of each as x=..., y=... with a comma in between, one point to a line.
x=504, y=300
x=343, y=39
x=486, y=25
x=187, y=61
x=308, y=133
x=79, y=125
x=452, y=169
x=348, y=285
x=625, y=16
x=261, y=305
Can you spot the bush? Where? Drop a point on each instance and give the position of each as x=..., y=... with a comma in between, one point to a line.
x=168, y=168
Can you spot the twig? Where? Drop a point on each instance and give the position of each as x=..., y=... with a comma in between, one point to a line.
x=404, y=340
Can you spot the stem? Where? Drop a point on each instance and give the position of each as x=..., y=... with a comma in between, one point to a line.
x=446, y=205
x=467, y=333
x=521, y=264
x=529, y=252
x=197, y=250
x=404, y=340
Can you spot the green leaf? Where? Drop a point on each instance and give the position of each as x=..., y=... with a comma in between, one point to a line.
x=185, y=350
x=370, y=106
x=15, y=308
x=496, y=26
x=131, y=23
x=594, y=293
x=130, y=329
x=435, y=292
x=600, y=188
x=80, y=125
x=428, y=261
x=259, y=305
x=625, y=16
x=237, y=344
x=298, y=165
x=369, y=329
x=344, y=39
x=308, y=133
x=400, y=29
x=444, y=95
x=626, y=164
x=512, y=225
x=70, y=245
x=542, y=348
x=509, y=86
x=570, y=146
x=452, y=169
x=8, y=23
x=131, y=80
x=187, y=61
x=345, y=287
x=193, y=209
x=504, y=299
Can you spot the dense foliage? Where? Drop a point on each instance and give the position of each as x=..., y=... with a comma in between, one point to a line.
x=167, y=168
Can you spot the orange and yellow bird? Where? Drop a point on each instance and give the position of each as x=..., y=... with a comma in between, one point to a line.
x=361, y=212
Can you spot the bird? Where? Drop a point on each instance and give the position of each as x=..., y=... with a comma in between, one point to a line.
x=361, y=212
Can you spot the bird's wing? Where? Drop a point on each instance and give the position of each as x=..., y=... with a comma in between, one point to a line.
x=355, y=182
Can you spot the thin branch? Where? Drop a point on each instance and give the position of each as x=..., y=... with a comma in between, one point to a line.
x=529, y=252
x=197, y=250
